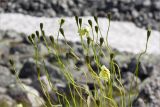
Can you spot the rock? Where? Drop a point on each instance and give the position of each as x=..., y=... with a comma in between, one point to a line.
x=5, y=77
x=29, y=70
x=25, y=95
x=128, y=78
x=156, y=4
x=142, y=71
x=6, y=101
x=22, y=49
x=3, y=90
x=13, y=35
x=149, y=94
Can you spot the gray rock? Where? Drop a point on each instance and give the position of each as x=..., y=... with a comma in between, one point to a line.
x=129, y=78
x=22, y=49
x=6, y=78
x=6, y=101
x=149, y=95
x=26, y=95
x=3, y=90
x=156, y=4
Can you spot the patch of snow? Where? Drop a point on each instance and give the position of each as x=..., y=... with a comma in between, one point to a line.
x=124, y=36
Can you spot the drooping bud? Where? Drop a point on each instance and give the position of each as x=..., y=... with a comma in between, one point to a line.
x=96, y=19
x=112, y=55
x=37, y=34
x=51, y=39
x=109, y=16
x=88, y=40
x=148, y=33
x=80, y=22
x=41, y=26
x=62, y=22
x=87, y=59
x=96, y=29
x=101, y=41
x=61, y=31
x=76, y=18
x=43, y=33
x=30, y=39
x=11, y=62
x=33, y=36
x=90, y=22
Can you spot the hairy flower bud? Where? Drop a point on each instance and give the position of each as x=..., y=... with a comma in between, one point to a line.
x=148, y=33
x=51, y=39
x=41, y=26
x=62, y=31
x=88, y=40
x=80, y=22
x=90, y=22
x=101, y=41
x=76, y=18
x=11, y=62
x=37, y=34
x=112, y=56
x=62, y=22
x=96, y=19
x=96, y=29
x=87, y=59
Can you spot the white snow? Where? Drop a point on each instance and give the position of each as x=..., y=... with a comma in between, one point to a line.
x=124, y=36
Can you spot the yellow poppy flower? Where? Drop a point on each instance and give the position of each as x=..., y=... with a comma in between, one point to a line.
x=84, y=31
x=104, y=73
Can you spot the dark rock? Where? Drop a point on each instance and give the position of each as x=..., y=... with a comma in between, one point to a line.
x=29, y=70
x=142, y=71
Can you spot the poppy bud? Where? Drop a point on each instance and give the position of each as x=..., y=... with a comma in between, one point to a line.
x=109, y=16
x=37, y=34
x=96, y=29
x=148, y=33
x=101, y=41
x=96, y=19
x=80, y=22
x=33, y=36
x=51, y=39
x=112, y=56
x=62, y=22
x=30, y=39
x=87, y=59
x=90, y=22
x=11, y=62
x=43, y=33
x=62, y=31
x=88, y=40
x=76, y=18
x=41, y=26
